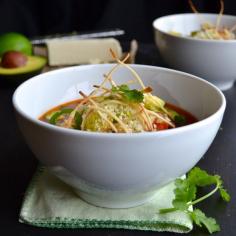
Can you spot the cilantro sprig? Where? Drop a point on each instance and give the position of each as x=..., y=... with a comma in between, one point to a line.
x=186, y=193
x=129, y=95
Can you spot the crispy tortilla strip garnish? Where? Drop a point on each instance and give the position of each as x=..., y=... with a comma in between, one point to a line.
x=108, y=98
x=220, y=14
x=136, y=76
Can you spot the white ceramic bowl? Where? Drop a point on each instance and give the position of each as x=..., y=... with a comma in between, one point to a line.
x=213, y=60
x=118, y=170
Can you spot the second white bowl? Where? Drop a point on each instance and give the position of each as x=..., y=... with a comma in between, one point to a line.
x=213, y=60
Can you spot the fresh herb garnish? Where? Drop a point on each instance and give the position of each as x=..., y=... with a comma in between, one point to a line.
x=185, y=196
x=78, y=120
x=55, y=117
x=130, y=95
x=199, y=218
x=180, y=120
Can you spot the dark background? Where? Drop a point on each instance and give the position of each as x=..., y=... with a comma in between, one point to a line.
x=40, y=17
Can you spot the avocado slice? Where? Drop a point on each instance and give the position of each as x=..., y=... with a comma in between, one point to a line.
x=34, y=66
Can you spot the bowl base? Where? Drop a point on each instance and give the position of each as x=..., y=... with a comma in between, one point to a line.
x=102, y=197
x=114, y=201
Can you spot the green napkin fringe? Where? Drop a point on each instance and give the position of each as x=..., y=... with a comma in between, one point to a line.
x=65, y=223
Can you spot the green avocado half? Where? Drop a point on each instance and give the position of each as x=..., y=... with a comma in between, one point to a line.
x=34, y=66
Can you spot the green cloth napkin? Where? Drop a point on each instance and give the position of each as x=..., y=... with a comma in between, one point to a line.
x=50, y=203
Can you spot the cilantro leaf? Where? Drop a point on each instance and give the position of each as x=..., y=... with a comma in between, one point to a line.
x=184, y=193
x=199, y=218
x=180, y=120
x=78, y=120
x=133, y=96
x=180, y=204
x=224, y=195
x=130, y=95
x=124, y=87
x=185, y=196
x=184, y=190
x=223, y=192
x=200, y=177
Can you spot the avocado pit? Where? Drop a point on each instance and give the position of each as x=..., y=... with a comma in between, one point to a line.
x=13, y=59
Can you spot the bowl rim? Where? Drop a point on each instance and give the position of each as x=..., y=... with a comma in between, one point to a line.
x=220, y=41
x=163, y=133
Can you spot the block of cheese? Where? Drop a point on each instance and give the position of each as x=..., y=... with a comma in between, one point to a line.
x=85, y=51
